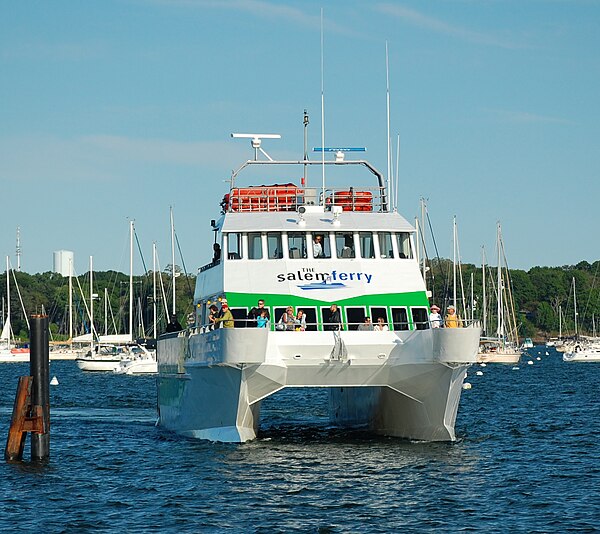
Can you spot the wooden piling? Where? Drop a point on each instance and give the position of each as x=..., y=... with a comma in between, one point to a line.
x=31, y=411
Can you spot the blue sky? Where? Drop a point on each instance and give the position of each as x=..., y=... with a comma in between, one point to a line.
x=116, y=110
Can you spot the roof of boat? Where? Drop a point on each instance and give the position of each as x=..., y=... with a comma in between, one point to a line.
x=314, y=220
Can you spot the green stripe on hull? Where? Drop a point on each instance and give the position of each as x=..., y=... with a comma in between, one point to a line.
x=416, y=298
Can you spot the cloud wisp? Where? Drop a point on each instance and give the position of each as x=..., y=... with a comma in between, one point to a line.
x=426, y=22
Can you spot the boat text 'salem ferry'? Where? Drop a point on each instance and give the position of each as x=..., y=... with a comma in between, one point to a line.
x=404, y=381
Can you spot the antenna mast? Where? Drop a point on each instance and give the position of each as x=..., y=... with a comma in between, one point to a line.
x=18, y=249
x=306, y=121
x=322, y=115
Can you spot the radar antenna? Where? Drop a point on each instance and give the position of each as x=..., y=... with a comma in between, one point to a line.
x=255, y=141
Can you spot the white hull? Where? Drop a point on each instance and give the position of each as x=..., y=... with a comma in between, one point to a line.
x=586, y=355
x=404, y=384
x=140, y=366
x=509, y=357
x=98, y=363
x=7, y=356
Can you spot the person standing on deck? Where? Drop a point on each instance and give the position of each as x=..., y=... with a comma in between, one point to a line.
x=452, y=319
x=435, y=319
x=226, y=317
x=255, y=313
x=335, y=319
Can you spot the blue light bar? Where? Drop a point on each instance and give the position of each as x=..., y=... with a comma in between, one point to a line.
x=342, y=149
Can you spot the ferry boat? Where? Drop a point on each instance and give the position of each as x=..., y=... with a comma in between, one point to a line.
x=404, y=380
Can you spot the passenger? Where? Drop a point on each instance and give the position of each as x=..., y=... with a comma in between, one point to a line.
x=174, y=325
x=216, y=253
x=317, y=246
x=262, y=321
x=300, y=322
x=226, y=317
x=255, y=312
x=287, y=320
x=453, y=320
x=367, y=326
x=214, y=314
x=381, y=326
x=435, y=319
x=348, y=250
x=335, y=319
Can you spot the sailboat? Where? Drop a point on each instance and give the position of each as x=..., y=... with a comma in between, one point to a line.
x=9, y=352
x=107, y=352
x=504, y=346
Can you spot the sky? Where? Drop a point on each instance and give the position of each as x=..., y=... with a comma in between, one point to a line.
x=119, y=110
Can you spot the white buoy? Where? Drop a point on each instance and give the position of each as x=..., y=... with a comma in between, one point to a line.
x=479, y=373
x=467, y=385
x=483, y=364
x=529, y=362
x=538, y=359
x=465, y=374
x=515, y=368
x=547, y=353
x=54, y=381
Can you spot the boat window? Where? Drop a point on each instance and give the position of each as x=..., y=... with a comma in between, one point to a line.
x=274, y=246
x=367, y=247
x=297, y=245
x=344, y=245
x=240, y=317
x=355, y=316
x=400, y=319
x=420, y=318
x=322, y=238
x=385, y=245
x=255, y=246
x=234, y=246
x=377, y=312
x=404, y=248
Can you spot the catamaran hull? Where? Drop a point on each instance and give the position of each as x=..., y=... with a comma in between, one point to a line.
x=211, y=385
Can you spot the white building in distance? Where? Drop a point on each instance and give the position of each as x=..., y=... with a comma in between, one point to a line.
x=63, y=262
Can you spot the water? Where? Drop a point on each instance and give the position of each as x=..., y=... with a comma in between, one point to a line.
x=528, y=460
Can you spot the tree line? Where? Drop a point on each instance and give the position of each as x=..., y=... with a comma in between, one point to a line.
x=544, y=297
x=48, y=293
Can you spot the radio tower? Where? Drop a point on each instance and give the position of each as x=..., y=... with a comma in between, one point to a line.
x=18, y=249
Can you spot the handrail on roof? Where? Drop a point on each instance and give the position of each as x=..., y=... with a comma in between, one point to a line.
x=362, y=162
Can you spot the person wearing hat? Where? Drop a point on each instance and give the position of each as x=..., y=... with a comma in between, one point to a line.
x=435, y=319
x=453, y=320
x=225, y=318
x=174, y=325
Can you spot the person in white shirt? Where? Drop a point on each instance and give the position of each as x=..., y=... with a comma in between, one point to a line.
x=435, y=319
x=317, y=247
x=381, y=326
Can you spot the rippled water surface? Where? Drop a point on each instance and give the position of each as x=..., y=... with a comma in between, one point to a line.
x=527, y=460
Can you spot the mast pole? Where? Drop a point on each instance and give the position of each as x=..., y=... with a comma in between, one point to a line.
x=71, y=299
x=500, y=328
x=173, y=311
x=154, y=288
x=130, y=280
x=322, y=115
x=454, y=264
x=91, y=305
x=575, y=306
x=484, y=295
x=306, y=121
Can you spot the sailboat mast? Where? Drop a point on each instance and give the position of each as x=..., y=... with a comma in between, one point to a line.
x=484, y=294
x=91, y=303
x=8, y=297
x=130, y=280
x=173, y=311
x=575, y=305
x=454, y=265
x=154, y=289
x=71, y=299
x=500, y=329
